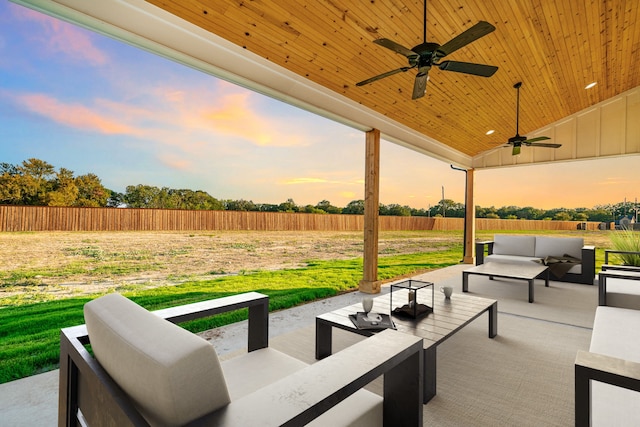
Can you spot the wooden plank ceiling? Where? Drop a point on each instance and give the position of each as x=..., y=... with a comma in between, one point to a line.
x=555, y=47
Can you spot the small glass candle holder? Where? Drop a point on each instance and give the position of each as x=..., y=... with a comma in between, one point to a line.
x=416, y=295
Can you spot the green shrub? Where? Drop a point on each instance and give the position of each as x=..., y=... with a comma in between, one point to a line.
x=629, y=241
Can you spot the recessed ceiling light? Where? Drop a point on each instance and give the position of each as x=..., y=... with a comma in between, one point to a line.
x=590, y=85
x=489, y=132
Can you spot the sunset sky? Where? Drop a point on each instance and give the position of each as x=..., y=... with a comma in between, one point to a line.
x=91, y=104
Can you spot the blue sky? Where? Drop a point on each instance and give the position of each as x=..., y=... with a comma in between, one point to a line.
x=88, y=103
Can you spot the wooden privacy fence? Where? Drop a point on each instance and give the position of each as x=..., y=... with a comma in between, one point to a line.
x=45, y=218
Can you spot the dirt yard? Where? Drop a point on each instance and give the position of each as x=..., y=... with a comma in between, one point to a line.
x=47, y=265
x=41, y=266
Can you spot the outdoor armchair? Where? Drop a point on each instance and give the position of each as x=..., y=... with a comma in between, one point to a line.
x=607, y=377
x=619, y=285
x=608, y=266
x=148, y=371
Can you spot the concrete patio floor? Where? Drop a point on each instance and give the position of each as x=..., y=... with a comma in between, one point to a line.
x=33, y=401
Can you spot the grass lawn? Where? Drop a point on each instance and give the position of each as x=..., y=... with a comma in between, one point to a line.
x=30, y=334
x=31, y=319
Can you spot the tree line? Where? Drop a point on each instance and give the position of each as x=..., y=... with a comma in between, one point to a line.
x=37, y=183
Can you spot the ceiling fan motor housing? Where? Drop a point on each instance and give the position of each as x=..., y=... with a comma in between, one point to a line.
x=428, y=53
x=517, y=139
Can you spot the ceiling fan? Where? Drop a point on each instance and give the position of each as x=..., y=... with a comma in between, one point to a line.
x=426, y=55
x=518, y=141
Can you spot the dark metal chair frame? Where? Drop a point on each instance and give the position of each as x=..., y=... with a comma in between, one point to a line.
x=89, y=396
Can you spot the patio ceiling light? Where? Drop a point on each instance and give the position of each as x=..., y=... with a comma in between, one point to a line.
x=590, y=85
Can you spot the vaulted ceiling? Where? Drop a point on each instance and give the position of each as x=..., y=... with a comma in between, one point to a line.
x=555, y=47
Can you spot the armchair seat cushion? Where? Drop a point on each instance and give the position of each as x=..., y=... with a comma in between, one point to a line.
x=250, y=372
x=254, y=370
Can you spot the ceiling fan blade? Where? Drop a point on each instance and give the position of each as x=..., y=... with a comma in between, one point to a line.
x=383, y=75
x=397, y=48
x=516, y=150
x=420, y=84
x=539, y=138
x=543, y=144
x=481, y=29
x=468, y=68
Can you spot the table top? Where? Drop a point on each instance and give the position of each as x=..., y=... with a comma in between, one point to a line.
x=449, y=315
x=523, y=270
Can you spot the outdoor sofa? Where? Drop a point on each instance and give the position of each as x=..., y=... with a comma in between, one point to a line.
x=568, y=259
x=149, y=371
x=607, y=377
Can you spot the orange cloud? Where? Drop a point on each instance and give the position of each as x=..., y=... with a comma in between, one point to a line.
x=175, y=163
x=174, y=96
x=347, y=194
x=307, y=181
x=131, y=112
x=234, y=116
x=62, y=37
x=615, y=180
x=76, y=116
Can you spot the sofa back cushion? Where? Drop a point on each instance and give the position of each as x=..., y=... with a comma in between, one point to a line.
x=172, y=375
x=559, y=246
x=514, y=245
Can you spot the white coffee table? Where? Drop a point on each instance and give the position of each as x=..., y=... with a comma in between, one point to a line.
x=521, y=271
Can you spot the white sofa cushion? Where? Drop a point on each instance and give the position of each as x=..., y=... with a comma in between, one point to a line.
x=504, y=244
x=516, y=249
x=559, y=246
x=510, y=259
x=615, y=333
x=172, y=375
